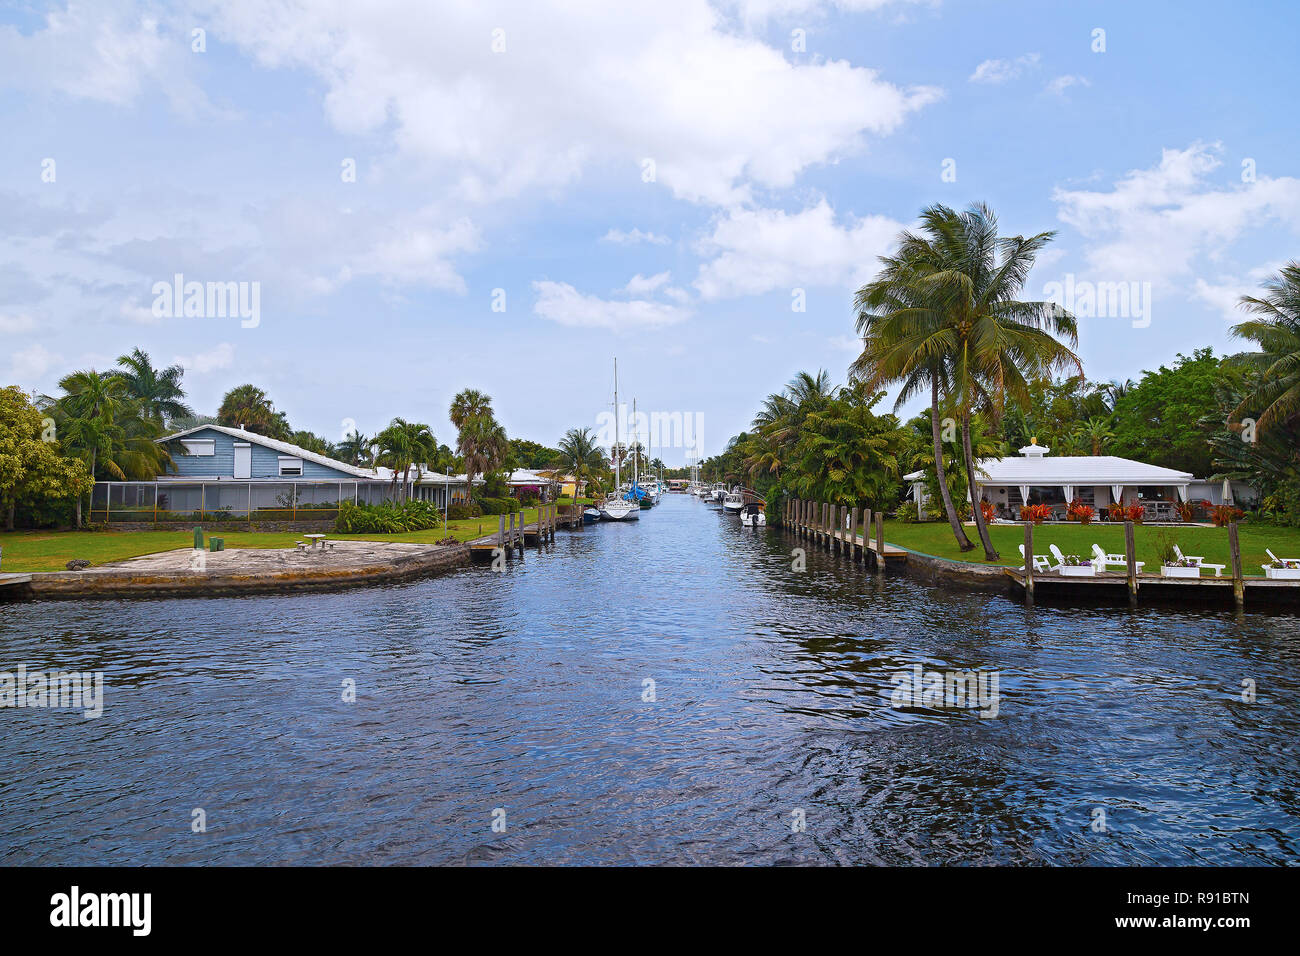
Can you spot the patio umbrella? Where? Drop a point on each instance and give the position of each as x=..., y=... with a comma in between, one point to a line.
x=1227, y=491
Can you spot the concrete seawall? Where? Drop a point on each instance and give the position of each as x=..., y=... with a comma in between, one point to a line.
x=245, y=571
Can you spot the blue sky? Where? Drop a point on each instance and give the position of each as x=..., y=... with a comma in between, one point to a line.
x=782, y=161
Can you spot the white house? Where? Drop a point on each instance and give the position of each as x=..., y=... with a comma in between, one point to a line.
x=1096, y=480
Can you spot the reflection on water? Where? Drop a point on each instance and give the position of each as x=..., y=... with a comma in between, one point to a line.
x=524, y=691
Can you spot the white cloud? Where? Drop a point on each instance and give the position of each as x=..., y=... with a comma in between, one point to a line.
x=633, y=237
x=1058, y=86
x=16, y=323
x=847, y=343
x=577, y=84
x=1001, y=71
x=562, y=303
x=758, y=250
x=100, y=53
x=1225, y=294
x=1169, y=221
x=418, y=254
x=221, y=357
x=27, y=366
x=644, y=285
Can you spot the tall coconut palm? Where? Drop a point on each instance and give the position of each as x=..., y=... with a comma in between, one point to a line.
x=1277, y=333
x=907, y=341
x=970, y=277
x=1094, y=433
x=580, y=456
x=480, y=440
x=158, y=390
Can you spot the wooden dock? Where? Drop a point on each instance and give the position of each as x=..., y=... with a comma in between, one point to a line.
x=512, y=534
x=14, y=580
x=836, y=528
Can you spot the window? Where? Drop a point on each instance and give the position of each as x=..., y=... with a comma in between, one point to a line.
x=290, y=467
x=205, y=447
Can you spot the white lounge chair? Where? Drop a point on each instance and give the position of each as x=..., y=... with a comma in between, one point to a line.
x=1199, y=561
x=1060, y=558
x=1103, y=560
x=1276, y=560
x=1041, y=563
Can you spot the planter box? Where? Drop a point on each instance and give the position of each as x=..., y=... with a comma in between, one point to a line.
x=1167, y=571
x=1282, y=574
x=1078, y=571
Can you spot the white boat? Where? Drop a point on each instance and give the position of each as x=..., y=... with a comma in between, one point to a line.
x=733, y=502
x=753, y=515
x=615, y=507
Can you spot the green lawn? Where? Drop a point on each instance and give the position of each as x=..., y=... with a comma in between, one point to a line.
x=935, y=537
x=26, y=551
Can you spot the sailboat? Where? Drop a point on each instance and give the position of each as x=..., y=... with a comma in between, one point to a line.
x=615, y=507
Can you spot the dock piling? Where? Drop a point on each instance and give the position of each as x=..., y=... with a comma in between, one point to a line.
x=880, y=541
x=1130, y=563
x=1238, y=582
x=1029, y=563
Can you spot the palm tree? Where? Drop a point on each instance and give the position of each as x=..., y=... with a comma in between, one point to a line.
x=158, y=390
x=480, y=440
x=403, y=444
x=1094, y=433
x=249, y=406
x=992, y=342
x=906, y=341
x=1277, y=333
x=99, y=422
x=355, y=449
x=581, y=457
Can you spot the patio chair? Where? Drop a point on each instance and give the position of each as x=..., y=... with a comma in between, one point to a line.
x=1041, y=563
x=1104, y=560
x=1060, y=558
x=1199, y=561
x=1278, y=561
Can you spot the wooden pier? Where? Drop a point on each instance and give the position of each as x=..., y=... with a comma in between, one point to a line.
x=512, y=534
x=14, y=580
x=835, y=528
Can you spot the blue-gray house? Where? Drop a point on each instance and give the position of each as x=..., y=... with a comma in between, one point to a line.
x=235, y=473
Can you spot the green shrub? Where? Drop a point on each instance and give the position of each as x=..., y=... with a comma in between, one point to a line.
x=387, y=518
x=460, y=511
x=498, y=506
x=906, y=512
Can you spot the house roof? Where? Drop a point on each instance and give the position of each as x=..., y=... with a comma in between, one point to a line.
x=283, y=447
x=1072, y=470
x=529, y=476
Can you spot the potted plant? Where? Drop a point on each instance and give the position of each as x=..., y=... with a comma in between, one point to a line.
x=1080, y=512
x=1285, y=570
x=1077, y=567
x=1180, y=568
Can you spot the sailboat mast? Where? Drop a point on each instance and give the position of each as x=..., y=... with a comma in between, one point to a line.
x=635, y=454
x=618, y=457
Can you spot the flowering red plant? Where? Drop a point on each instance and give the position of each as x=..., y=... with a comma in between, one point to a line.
x=1080, y=512
x=990, y=512
x=1135, y=513
x=1115, y=510
x=1035, y=513
x=1225, y=515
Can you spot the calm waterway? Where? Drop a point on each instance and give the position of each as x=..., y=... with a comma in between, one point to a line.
x=523, y=691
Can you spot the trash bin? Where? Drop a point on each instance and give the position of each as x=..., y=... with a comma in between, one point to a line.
x=217, y=544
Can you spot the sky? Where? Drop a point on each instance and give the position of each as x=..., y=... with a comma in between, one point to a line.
x=426, y=196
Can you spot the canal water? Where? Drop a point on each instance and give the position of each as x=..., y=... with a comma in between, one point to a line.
x=668, y=691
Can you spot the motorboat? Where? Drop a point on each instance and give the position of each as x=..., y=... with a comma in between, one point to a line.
x=753, y=515
x=590, y=515
x=733, y=502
